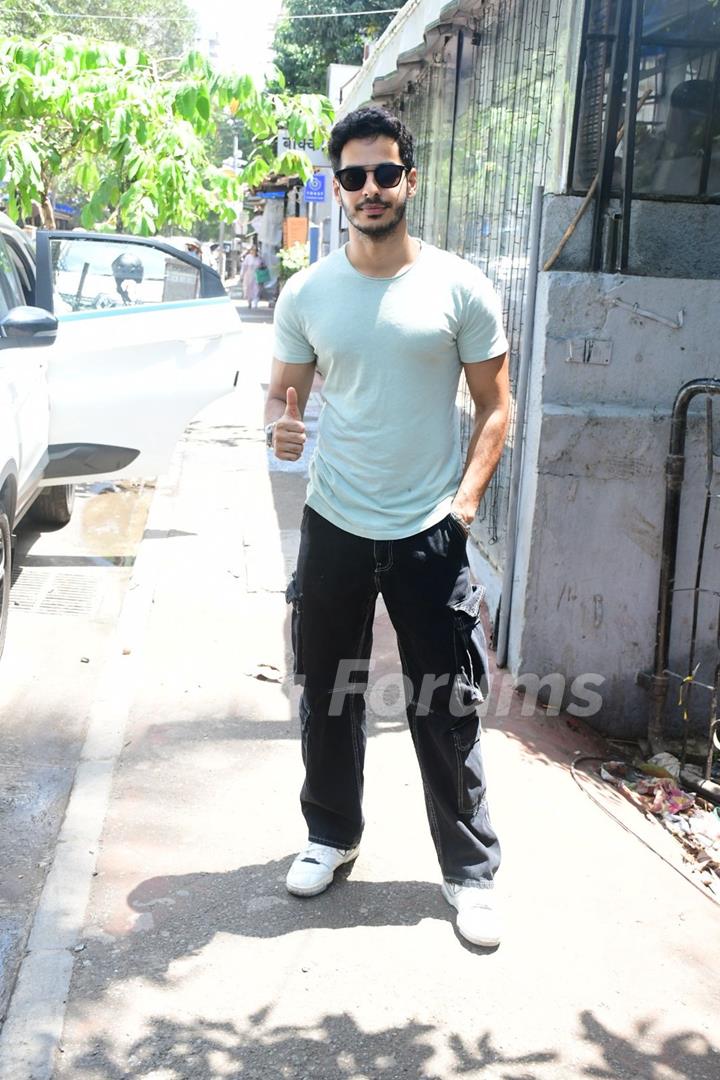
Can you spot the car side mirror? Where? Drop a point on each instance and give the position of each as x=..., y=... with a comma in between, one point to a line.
x=27, y=327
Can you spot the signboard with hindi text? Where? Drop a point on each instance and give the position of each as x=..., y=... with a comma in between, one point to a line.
x=286, y=145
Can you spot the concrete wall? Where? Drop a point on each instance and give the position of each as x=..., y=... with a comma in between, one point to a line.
x=667, y=239
x=592, y=496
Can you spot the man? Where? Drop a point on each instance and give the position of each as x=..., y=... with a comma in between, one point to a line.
x=128, y=272
x=390, y=322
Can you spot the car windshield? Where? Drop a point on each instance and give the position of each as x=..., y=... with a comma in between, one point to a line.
x=91, y=274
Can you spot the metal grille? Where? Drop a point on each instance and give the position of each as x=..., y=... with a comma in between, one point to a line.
x=495, y=81
x=49, y=592
x=418, y=117
x=591, y=103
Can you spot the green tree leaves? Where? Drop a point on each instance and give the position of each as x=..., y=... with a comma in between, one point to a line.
x=304, y=48
x=165, y=28
x=20, y=162
x=138, y=145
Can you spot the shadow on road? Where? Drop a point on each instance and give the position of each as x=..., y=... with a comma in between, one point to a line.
x=335, y=1046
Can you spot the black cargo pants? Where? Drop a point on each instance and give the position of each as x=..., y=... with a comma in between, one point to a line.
x=434, y=609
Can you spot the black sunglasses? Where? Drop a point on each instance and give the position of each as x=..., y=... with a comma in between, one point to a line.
x=387, y=175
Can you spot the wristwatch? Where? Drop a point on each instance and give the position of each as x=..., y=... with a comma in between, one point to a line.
x=461, y=522
x=269, y=428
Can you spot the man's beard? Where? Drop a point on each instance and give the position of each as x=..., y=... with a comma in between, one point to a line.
x=379, y=230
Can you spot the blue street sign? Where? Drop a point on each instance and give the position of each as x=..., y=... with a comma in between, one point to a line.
x=314, y=190
x=272, y=194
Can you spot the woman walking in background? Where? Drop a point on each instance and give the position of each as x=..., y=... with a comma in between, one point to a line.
x=251, y=288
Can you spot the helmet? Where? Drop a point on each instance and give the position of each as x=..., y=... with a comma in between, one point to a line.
x=128, y=267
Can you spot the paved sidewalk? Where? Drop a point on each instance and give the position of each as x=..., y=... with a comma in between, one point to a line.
x=191, y=961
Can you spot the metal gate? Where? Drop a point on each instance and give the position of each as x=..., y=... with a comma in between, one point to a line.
x=480, y=108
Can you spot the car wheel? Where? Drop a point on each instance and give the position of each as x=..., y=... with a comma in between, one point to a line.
x=5, y=573
x=53, y=506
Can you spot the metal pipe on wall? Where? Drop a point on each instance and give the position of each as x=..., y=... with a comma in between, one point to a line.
x=520, y=406
x=657, y=683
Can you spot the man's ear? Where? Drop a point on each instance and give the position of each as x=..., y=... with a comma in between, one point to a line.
x=412, y=182
x=336, y=191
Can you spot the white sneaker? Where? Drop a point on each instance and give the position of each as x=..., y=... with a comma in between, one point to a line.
x=314, y=868
x=477, y=920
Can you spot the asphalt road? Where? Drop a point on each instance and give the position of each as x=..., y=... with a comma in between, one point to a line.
x=68, y=589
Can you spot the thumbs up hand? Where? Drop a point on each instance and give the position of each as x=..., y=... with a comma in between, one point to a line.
x=291, y=409
x=289, y=434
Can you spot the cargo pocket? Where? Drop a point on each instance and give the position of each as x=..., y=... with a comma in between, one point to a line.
x=469, y=773
x=470, y=647
x=294, y=597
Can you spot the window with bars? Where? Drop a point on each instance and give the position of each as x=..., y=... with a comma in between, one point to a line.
x=648, y=110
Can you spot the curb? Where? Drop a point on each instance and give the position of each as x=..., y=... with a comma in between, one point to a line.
x=33, y=1027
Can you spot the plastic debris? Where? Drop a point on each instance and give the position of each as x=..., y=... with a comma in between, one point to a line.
x=700, y=832
x=652, y=788
x=667, y=797
x=668, y=762
x=657, y=794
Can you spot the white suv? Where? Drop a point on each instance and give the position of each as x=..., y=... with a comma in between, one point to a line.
x=109, y=345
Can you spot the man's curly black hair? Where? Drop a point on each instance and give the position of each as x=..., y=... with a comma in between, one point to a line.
x=367, y=123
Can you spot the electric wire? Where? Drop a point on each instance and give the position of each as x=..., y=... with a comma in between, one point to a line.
x=184, y=18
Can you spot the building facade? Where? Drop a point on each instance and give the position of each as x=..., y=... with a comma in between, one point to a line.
x=572, y=151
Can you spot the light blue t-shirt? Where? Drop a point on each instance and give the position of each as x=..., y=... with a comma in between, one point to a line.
x=387, y=462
